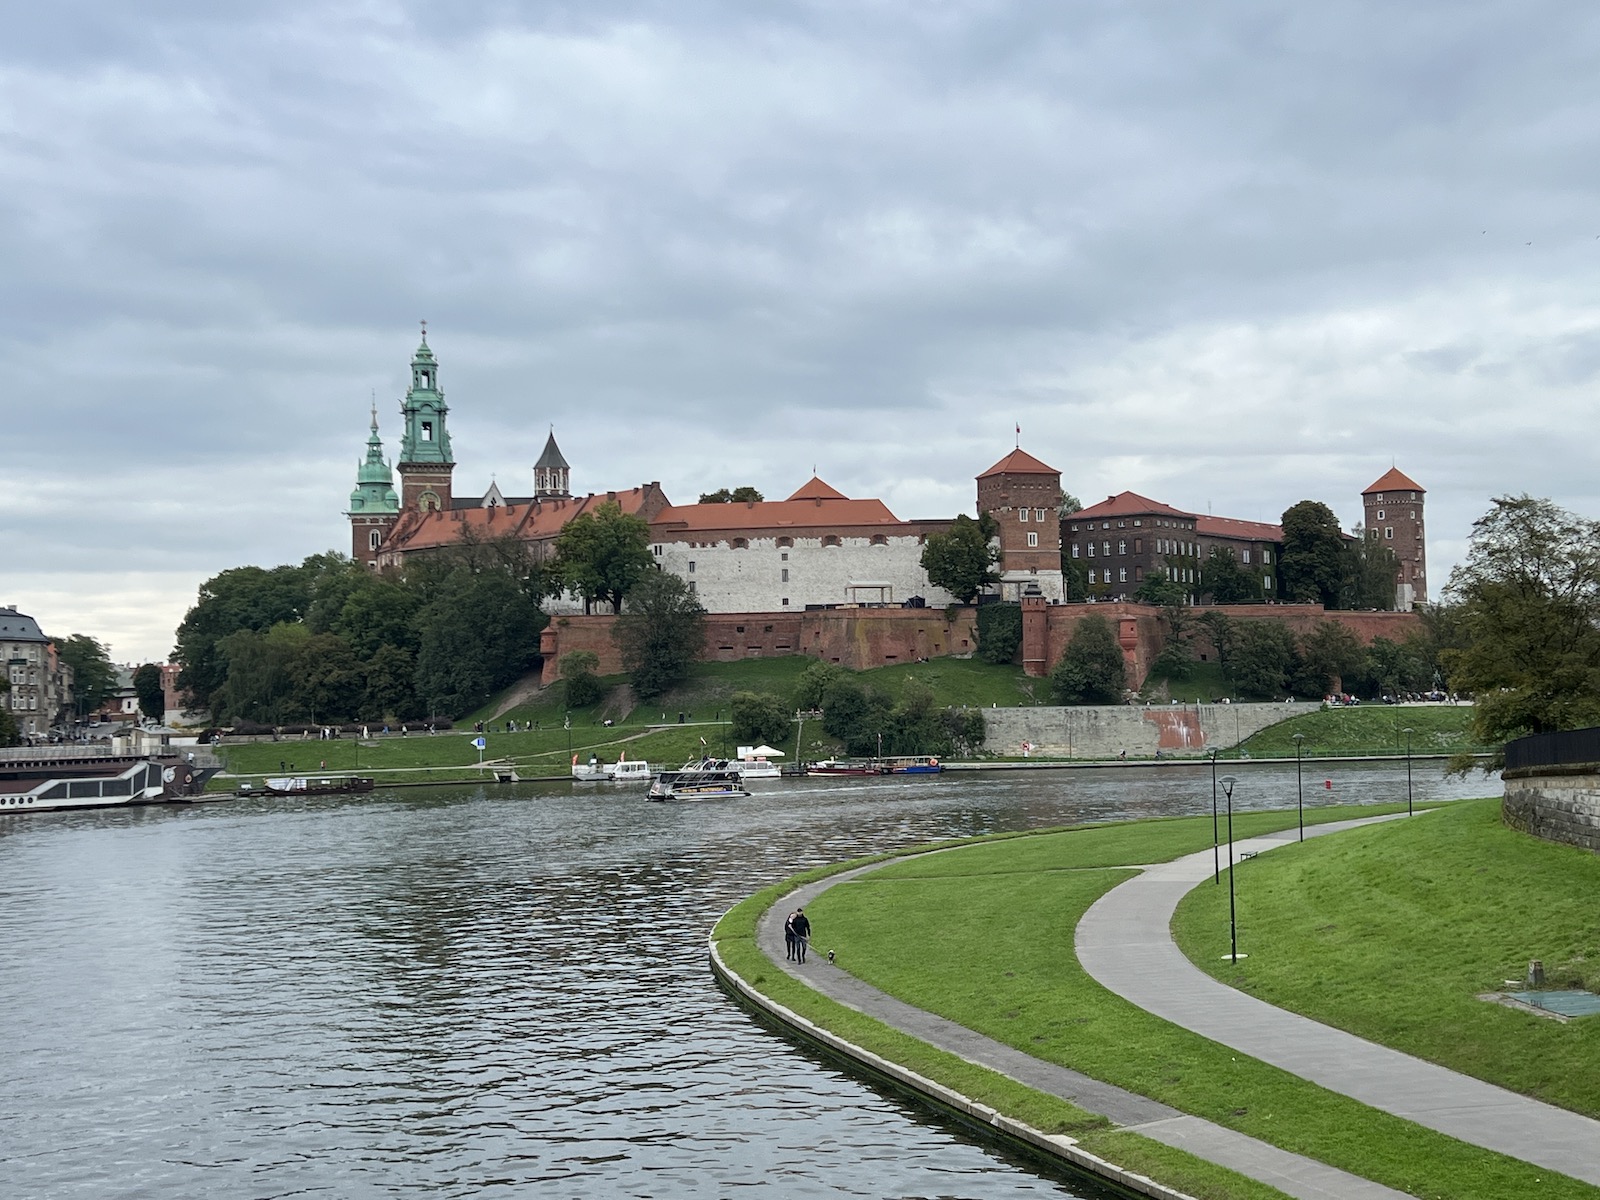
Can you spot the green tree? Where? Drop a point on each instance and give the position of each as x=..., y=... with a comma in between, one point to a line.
x=999, y=633
x=759, y=718
x=1528, y=595
x=738, y=495
x=603, y=555
x=390, y=685
x=258, y=669
x=1092, y=670
x=583, y=686
x=94, y=678
x=240, y=599
x=152, y=696
x=1223, y=634
x=1312, y=565
x=1225, y=581
x=1370, y=572
x=857, y=716
x=661, y=632
x=1330, y=657
x=1159, y=588
x=8, y=727
x=329, y=682
x=814, y=683
x=480, y=633
x=961, y=560
x=1262, y=660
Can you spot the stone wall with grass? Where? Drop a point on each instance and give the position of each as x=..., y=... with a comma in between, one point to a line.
x=1556, y=803
x=1176, y=730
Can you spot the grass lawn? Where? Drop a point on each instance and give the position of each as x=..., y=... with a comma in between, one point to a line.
x=1369, y=729
x=1392, y=932
x=984, y=936
x=1205, y=684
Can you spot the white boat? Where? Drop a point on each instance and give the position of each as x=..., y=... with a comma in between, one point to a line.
x=49, y=780
x=705, y=779
x=755, y=762
x=624, y=770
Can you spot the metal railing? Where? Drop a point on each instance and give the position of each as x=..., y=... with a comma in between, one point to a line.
x=1554, y=749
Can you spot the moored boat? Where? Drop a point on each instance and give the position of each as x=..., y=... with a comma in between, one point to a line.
x=755, y=762
x=624, y=770
x=48, y=780
x=916, y=764
x=834, y=766
x=303, y=785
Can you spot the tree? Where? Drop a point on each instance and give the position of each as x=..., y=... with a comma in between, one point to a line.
x=602, y=555
x=1092, y=670
x=1263, y=660
x=578, y=672
x=660, y=633
x=999, y=633
x=1222, y=633
x=479, y=634
x=1158, y=588
x=240, y=599
x=94, y=679
x=8, y=727
x=1528, y=596
x=328, y=680
x=759, y=718
x=739, y=495
x=258, y=674
x=858, y=716
x=814, y=683
x=1312, y=565
x=391, y=689
x=961, y=560
x=152, y=695
x=1225, y=581
x=1330, y=656
x=1370, y=572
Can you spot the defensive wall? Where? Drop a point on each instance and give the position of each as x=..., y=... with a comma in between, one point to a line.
x=1552, y=787
x=859, y=637
x=1175, y=730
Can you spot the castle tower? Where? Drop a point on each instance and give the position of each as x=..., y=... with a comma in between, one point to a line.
x=1392, y=510
x=1023, y=495
x=550, y=473
x=426, y=464
x=373, y=504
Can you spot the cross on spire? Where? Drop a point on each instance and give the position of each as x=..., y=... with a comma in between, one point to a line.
x=424, y=331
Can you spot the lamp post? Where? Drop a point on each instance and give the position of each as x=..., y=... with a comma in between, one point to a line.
x=1227, y=782
x=1299, y=788
x=1407, y=732
x=1216, y=870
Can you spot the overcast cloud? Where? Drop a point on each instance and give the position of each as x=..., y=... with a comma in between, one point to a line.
x=1231, y=256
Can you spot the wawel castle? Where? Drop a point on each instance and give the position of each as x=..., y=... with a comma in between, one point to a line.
x=819, y=548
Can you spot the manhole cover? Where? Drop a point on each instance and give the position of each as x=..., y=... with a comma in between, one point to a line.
x=1568, y=1004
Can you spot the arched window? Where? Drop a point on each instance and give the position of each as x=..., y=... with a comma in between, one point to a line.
x=830, y=540
x=785, y=543
x=879, y=540
x=741, y=543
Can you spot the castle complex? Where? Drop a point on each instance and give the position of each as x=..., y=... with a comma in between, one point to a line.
x=819, y=548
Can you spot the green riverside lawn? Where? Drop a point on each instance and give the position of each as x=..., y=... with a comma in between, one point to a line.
x=1370, y=729
x=983, y=935
x=1393, y=933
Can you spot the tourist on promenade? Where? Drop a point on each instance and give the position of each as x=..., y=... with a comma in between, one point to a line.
x=788, y=937
x=802, y=933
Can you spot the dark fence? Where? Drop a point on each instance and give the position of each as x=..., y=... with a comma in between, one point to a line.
x=1553, y=749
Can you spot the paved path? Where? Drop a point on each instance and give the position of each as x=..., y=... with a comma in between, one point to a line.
x=1292, y=1174
x=1124, y=941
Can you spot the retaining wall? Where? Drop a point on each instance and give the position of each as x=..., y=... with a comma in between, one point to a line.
x=1556, y=803
x=1176, y=730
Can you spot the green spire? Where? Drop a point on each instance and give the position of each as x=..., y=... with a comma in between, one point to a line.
x=425, y=439
x=374, y=492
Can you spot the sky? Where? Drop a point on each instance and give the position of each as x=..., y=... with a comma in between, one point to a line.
x=1229, y=256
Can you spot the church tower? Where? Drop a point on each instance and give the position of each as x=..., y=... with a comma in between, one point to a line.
x=550, y=473
x=426, y=464
x=1392, y=509
x=1023, y=495
x=373, y=504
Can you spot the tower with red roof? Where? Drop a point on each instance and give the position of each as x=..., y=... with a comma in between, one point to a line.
x=1023, y=495
x=1392, y=510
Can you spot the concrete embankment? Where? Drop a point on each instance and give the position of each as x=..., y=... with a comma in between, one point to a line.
x=1139, y=731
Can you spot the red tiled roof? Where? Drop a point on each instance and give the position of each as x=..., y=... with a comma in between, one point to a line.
x=1227, y=527
x=817, y=513
x=1128, y=504
x=530, y=522
x=1019, y=462
x=1394, y=481
x=815, y=489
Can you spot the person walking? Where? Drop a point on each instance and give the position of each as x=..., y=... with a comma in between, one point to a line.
x=788, y=937
x=802, y=933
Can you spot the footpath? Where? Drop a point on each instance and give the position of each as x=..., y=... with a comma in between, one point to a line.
x=1124, y=942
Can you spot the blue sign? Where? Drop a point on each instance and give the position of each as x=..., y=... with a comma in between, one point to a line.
x=480, y=743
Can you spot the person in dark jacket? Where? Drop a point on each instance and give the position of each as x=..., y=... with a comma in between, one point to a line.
x=788, y=937
x=801, y=924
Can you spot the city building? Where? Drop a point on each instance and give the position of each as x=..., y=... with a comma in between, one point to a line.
x=40, y=696
x=1392, y=511
x=1023, y=495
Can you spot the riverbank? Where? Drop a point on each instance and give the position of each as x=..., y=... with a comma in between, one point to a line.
x=1000, y=970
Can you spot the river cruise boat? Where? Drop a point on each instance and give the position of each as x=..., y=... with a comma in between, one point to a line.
x=707, y=779
x=55, y=778
x=624, y=770
x=916, y=764
x=755, y=762
x=836, y=766
x=305, y=785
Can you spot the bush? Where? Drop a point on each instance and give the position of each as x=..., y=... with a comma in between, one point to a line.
x=759, y=717
x=1092, y=671
x=583, y=687
x=999, y=633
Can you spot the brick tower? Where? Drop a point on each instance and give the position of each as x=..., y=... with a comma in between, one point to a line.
x=373, y=505
x=426, y=464
x=1392, y=510
x=1023, y=495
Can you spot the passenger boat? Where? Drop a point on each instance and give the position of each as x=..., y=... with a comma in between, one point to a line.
x=832, y=766
x=705, y=779
x=303, y=785
x=755, y=762
x=48, y=780
x=916, y=764
x=624, y=770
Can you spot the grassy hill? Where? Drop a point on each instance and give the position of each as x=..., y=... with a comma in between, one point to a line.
x=1370, y=729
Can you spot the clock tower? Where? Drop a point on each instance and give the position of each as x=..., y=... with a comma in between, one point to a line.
x=426, y=463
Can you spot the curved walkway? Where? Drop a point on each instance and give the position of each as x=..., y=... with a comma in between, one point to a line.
x=1125, y=943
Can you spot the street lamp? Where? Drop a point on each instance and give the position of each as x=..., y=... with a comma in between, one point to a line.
x=1407, y=732
x=1227, y=782
x=1299, y=788
x=1216, y=871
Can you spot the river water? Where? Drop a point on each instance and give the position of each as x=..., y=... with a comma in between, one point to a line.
x=480, y=992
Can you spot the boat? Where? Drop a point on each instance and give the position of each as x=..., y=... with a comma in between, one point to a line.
x=833, y=766
x=704, y=779
x=916, y=764
x=303, y=785
x=755, y=762
x=62, y=777
x=624, y=770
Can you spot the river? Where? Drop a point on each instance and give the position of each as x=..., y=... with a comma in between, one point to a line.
x=481, y=992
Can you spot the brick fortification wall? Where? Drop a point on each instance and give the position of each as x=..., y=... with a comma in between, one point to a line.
x=859, y=638
x=1558, y=804
x=1176, y=730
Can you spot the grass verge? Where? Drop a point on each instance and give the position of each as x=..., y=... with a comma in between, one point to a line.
x=1369, y=729
x=1392, y=933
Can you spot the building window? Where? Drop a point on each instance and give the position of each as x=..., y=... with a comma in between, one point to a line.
x=830, y=540
x=657, y=550
x=1122, y=574
x=1091, y=574
x=879, y=539
x=691, y=566
x=1136, y=522
x=1074, y=549
x=1138, y=574
x=1122, y=547
x=1022, y=514
x=786, y=602
x=1380, y=514
x=373, y=539
x=785, y=578
x=1138, y=544
x=691, y=585
x=1105, y=549
x=1246, y=556
x=1033, y=538
x=741, y=543
x=1266, y=556
x=427, y=431
x=785, y=541
x=1266, y=583
x=1388, y=531
x=1038, y=515
x=1091, y=549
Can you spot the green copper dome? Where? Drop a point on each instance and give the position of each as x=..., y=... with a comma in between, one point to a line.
x=374, y=491
x=425, y=439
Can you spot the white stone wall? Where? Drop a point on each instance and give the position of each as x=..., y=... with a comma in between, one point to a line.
x=751, y=579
